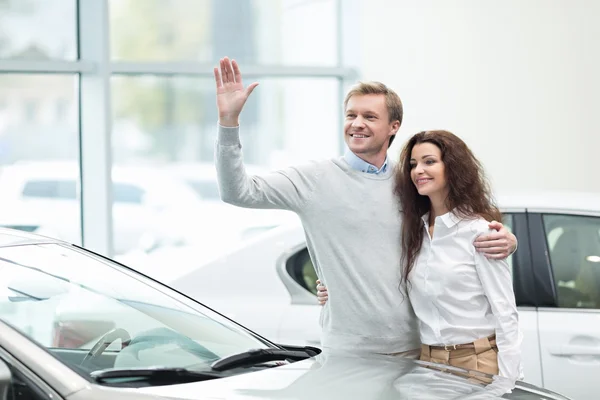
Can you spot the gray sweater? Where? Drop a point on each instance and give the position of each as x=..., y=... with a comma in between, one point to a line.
x=352, y=226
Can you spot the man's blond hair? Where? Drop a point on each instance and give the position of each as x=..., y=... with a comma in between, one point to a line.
x=392, y=100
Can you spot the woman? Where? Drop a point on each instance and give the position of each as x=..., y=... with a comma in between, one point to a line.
x=464, y=301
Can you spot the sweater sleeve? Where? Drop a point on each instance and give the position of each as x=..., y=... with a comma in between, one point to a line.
x=288, y=189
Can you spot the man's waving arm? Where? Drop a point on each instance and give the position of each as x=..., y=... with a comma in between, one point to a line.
x=288, y=189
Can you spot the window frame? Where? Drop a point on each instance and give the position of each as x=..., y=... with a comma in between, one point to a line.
x=523, y=277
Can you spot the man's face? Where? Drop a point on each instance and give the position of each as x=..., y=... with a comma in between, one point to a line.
x=367, y=126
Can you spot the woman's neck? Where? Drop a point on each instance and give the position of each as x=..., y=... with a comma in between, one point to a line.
x=438, y=207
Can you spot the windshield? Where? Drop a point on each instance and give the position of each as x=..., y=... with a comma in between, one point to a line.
x=67, y=299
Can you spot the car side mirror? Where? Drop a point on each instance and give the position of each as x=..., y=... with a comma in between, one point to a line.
x=5, y=380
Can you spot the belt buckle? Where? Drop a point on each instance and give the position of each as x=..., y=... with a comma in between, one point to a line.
x=449, y=347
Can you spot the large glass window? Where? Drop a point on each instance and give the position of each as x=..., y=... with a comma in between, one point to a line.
x=38, y=29
x=169, y=126
x=39, y=172
x=164, y=193
x=166, y=120
x=574, y=245
x=252, y=31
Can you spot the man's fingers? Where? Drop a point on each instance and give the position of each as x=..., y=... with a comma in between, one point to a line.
x=218, y=78
x=229, y=70
x=495, y=225
x=222, y=70
x=493, y=250
x=224, y=76
x=250, y=88
x=501, y=256
x=492, y=243
x=237, y=75
x=490, y=236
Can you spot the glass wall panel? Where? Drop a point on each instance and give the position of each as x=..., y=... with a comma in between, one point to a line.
x=39, y=152
x=38, y=29
x=164, y=129
x=267, y=32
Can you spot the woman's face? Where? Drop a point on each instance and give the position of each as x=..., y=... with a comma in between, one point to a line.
x=427, y=170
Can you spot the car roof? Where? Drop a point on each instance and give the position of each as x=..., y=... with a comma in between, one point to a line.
x=14, y=237
x=550, y=201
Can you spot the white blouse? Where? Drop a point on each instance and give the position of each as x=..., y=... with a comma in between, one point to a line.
x=459, y=295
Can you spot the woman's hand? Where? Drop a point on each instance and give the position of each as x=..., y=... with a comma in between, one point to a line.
x=322, y=294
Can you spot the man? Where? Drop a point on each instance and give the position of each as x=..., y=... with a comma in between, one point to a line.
x=348, y=211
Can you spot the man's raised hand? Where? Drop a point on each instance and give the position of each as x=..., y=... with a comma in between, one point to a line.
x=231, y=94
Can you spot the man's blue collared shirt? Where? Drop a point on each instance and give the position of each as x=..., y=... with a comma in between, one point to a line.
x=361, y=165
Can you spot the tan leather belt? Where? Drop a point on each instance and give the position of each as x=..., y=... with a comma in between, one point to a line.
x=450, y=347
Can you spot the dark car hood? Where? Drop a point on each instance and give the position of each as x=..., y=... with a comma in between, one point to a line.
x=333, y=375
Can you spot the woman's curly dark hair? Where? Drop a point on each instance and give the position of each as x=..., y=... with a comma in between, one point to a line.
x=469, y=191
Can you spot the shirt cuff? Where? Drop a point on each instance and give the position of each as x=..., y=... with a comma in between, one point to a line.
x=509, y=364
x=228, y=136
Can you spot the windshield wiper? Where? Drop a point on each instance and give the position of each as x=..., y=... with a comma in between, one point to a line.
x=154, y=376
x=257, y=356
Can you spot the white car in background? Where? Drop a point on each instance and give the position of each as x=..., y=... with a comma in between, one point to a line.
x=222, y=227
x=202, y=177
x=147, y=202
x=269, y=285
x=246, y=222
x=158, y=215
